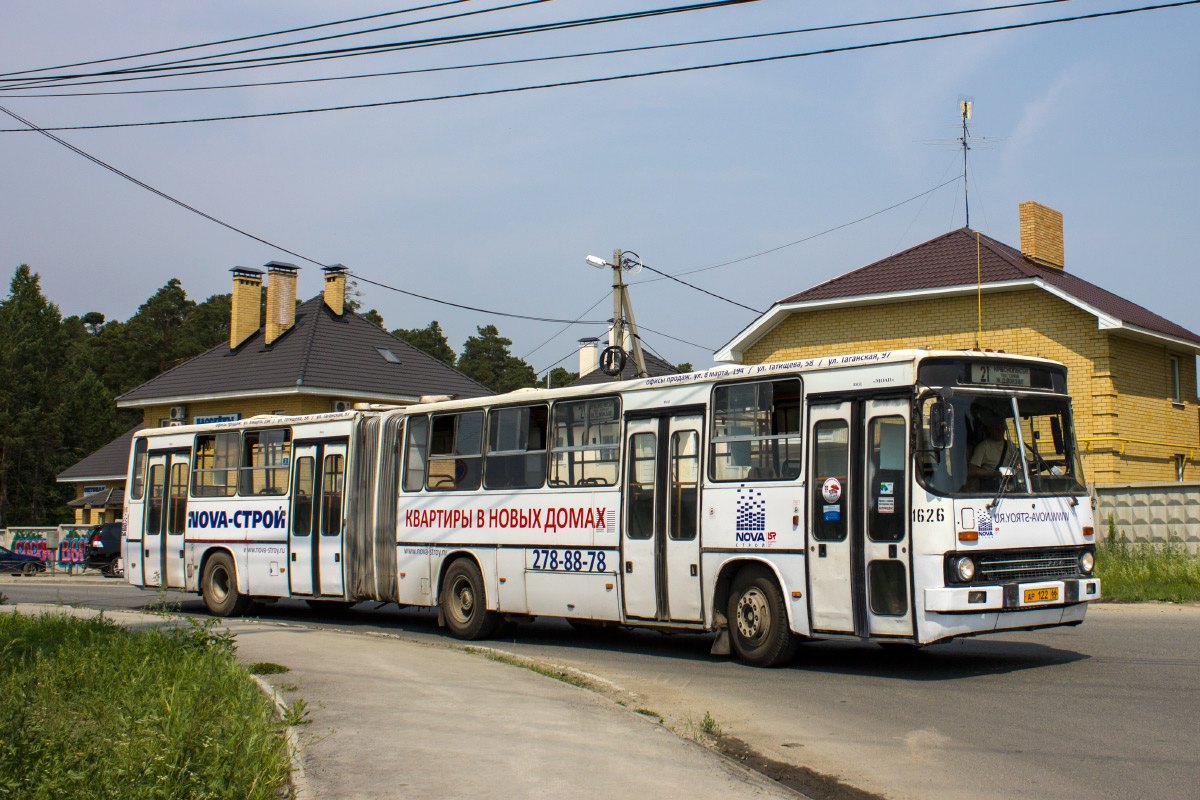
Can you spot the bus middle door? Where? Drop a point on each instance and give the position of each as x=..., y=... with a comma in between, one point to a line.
x=315, y=531
x=660, y=543
x=165, y=520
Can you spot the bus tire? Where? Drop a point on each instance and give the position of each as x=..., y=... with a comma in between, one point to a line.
x=464, y=603
x=758, y=624
x=219, y=587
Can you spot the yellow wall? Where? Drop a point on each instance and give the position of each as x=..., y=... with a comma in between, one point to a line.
x=94, y=516
x=1108, y=399
x=248, y=407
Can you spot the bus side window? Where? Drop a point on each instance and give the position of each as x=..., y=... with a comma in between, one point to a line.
x=214, y=464
x=137, y=486
x=756, y=431
x=266, y=462
x=455, y=452
x=416, y=441
x=586, y=442
x=832, y=460
x=332, y=478
x=516, y=456
x=302, y=496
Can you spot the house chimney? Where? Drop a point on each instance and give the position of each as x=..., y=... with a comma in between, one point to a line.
x=281, y=299
x=588, y=357
x=1042, y=234
x=247, y=304
x=335, y=288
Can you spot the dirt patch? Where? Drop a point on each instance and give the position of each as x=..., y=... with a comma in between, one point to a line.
x=801, y=779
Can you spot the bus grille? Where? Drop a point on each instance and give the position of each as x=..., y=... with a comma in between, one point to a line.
x=1027, y=565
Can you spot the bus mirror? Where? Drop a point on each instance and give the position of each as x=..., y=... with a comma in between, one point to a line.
x=941, y=424
x=1056, y=434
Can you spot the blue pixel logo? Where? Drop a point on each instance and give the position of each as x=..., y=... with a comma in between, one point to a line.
x=751, y=523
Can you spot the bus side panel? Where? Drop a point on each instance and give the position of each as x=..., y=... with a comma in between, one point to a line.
x=412, y=574
x=510, y=563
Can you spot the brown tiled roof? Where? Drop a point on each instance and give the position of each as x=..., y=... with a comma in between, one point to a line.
x=107, y=462
x=321, y=351
x=109, y=498
x=950, y=260
x=655, y=367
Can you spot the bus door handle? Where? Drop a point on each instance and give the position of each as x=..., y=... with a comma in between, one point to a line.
x=629, y=566
x=337, y=557
x=820, y=551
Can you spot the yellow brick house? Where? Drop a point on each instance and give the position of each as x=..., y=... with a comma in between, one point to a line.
x=1132, y=373
x=311, y=358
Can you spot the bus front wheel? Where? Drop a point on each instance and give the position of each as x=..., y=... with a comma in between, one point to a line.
x=464, y=603
x=758, y=625
x=219, y=588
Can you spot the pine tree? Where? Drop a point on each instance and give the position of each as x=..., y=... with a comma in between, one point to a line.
x=486, y=359
x=430, y=339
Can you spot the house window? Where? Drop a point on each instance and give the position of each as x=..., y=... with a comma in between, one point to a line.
x=1180, y=463
x=1174, y=379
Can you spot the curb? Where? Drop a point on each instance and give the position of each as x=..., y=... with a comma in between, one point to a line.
x=301, y=788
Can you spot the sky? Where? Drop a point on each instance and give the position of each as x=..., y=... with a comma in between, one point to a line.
x=494, y=201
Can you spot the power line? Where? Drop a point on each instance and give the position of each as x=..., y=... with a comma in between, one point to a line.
x=238, y=39
x=150, y=188
x=475, y=308
x=806, y=238
x=675, y=338
x=627, y=76
x=390, y=46
x=698, y=289
x=507, y=62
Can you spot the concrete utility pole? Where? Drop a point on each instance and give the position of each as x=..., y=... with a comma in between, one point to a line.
x=623, y=317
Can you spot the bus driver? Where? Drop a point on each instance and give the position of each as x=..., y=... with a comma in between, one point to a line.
x=991, y=452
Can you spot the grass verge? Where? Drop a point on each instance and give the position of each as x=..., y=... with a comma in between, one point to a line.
x=1143, y=571
x=94, y=710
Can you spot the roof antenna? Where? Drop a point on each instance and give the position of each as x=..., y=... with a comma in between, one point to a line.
x=964, y=108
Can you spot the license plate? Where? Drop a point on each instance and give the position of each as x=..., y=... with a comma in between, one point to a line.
x=1041, y=595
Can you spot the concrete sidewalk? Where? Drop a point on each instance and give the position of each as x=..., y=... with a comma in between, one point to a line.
x=393, y=718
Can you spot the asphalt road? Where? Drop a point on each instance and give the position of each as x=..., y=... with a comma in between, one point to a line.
x=1105, y=710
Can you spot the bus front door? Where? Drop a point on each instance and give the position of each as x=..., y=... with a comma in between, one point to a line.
x=859, y=550
x=165, y=520
x=660, y=543
x=315, y=532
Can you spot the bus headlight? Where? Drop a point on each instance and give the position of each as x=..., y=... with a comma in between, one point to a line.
x=965, y=568
x=1087, y=562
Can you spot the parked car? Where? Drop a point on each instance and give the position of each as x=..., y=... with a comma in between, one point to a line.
x=18, y=564
x=104, y=549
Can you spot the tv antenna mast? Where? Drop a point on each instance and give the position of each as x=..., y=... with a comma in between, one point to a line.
x=612, y=360
x=966, y=142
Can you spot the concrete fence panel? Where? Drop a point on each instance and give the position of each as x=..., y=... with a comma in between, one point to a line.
x=1151, y=512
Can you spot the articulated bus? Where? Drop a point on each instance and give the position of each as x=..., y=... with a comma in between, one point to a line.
x=845, y=497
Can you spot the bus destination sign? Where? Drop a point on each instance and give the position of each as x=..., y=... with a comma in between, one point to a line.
x=1000, y=374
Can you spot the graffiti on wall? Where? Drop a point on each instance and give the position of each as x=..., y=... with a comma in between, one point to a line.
x=71, y=550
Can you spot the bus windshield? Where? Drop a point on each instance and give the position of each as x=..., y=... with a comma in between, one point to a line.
x=1018, y=444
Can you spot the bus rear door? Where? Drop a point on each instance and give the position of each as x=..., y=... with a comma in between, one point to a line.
x=660, y=542
x=165, y=519
x=316, y=526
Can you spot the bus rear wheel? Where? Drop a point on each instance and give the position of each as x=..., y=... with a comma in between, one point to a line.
x=464, y=603
x=758, y=625
x=219, y=587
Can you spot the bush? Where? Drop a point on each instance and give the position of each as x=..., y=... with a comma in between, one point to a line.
x=94, y=710
x=1145, y=571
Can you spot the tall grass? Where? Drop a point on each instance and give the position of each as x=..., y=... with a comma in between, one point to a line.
x=89, y=709
x=1145, y=571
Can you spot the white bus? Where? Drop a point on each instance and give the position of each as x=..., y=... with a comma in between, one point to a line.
x=845, y=497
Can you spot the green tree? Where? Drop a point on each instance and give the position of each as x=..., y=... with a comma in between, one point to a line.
x=686, y=366
x=373, y=317
x=430, y=339
x=560, y=377
x=33, y=353
x=486, y=358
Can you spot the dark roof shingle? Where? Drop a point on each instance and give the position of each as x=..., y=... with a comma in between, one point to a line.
x=950, y=260
x=321, y=351
x=655, y=367
x=107, y=462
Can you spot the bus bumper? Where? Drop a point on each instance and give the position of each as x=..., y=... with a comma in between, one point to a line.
x=1012, y=597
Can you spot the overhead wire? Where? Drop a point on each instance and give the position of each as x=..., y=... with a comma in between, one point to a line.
x=237, y=39
x=627, y=76
x=507, y=62
x=295, y=58
x=150, y=188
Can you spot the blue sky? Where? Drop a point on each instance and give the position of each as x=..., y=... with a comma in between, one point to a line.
x=495, y=201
